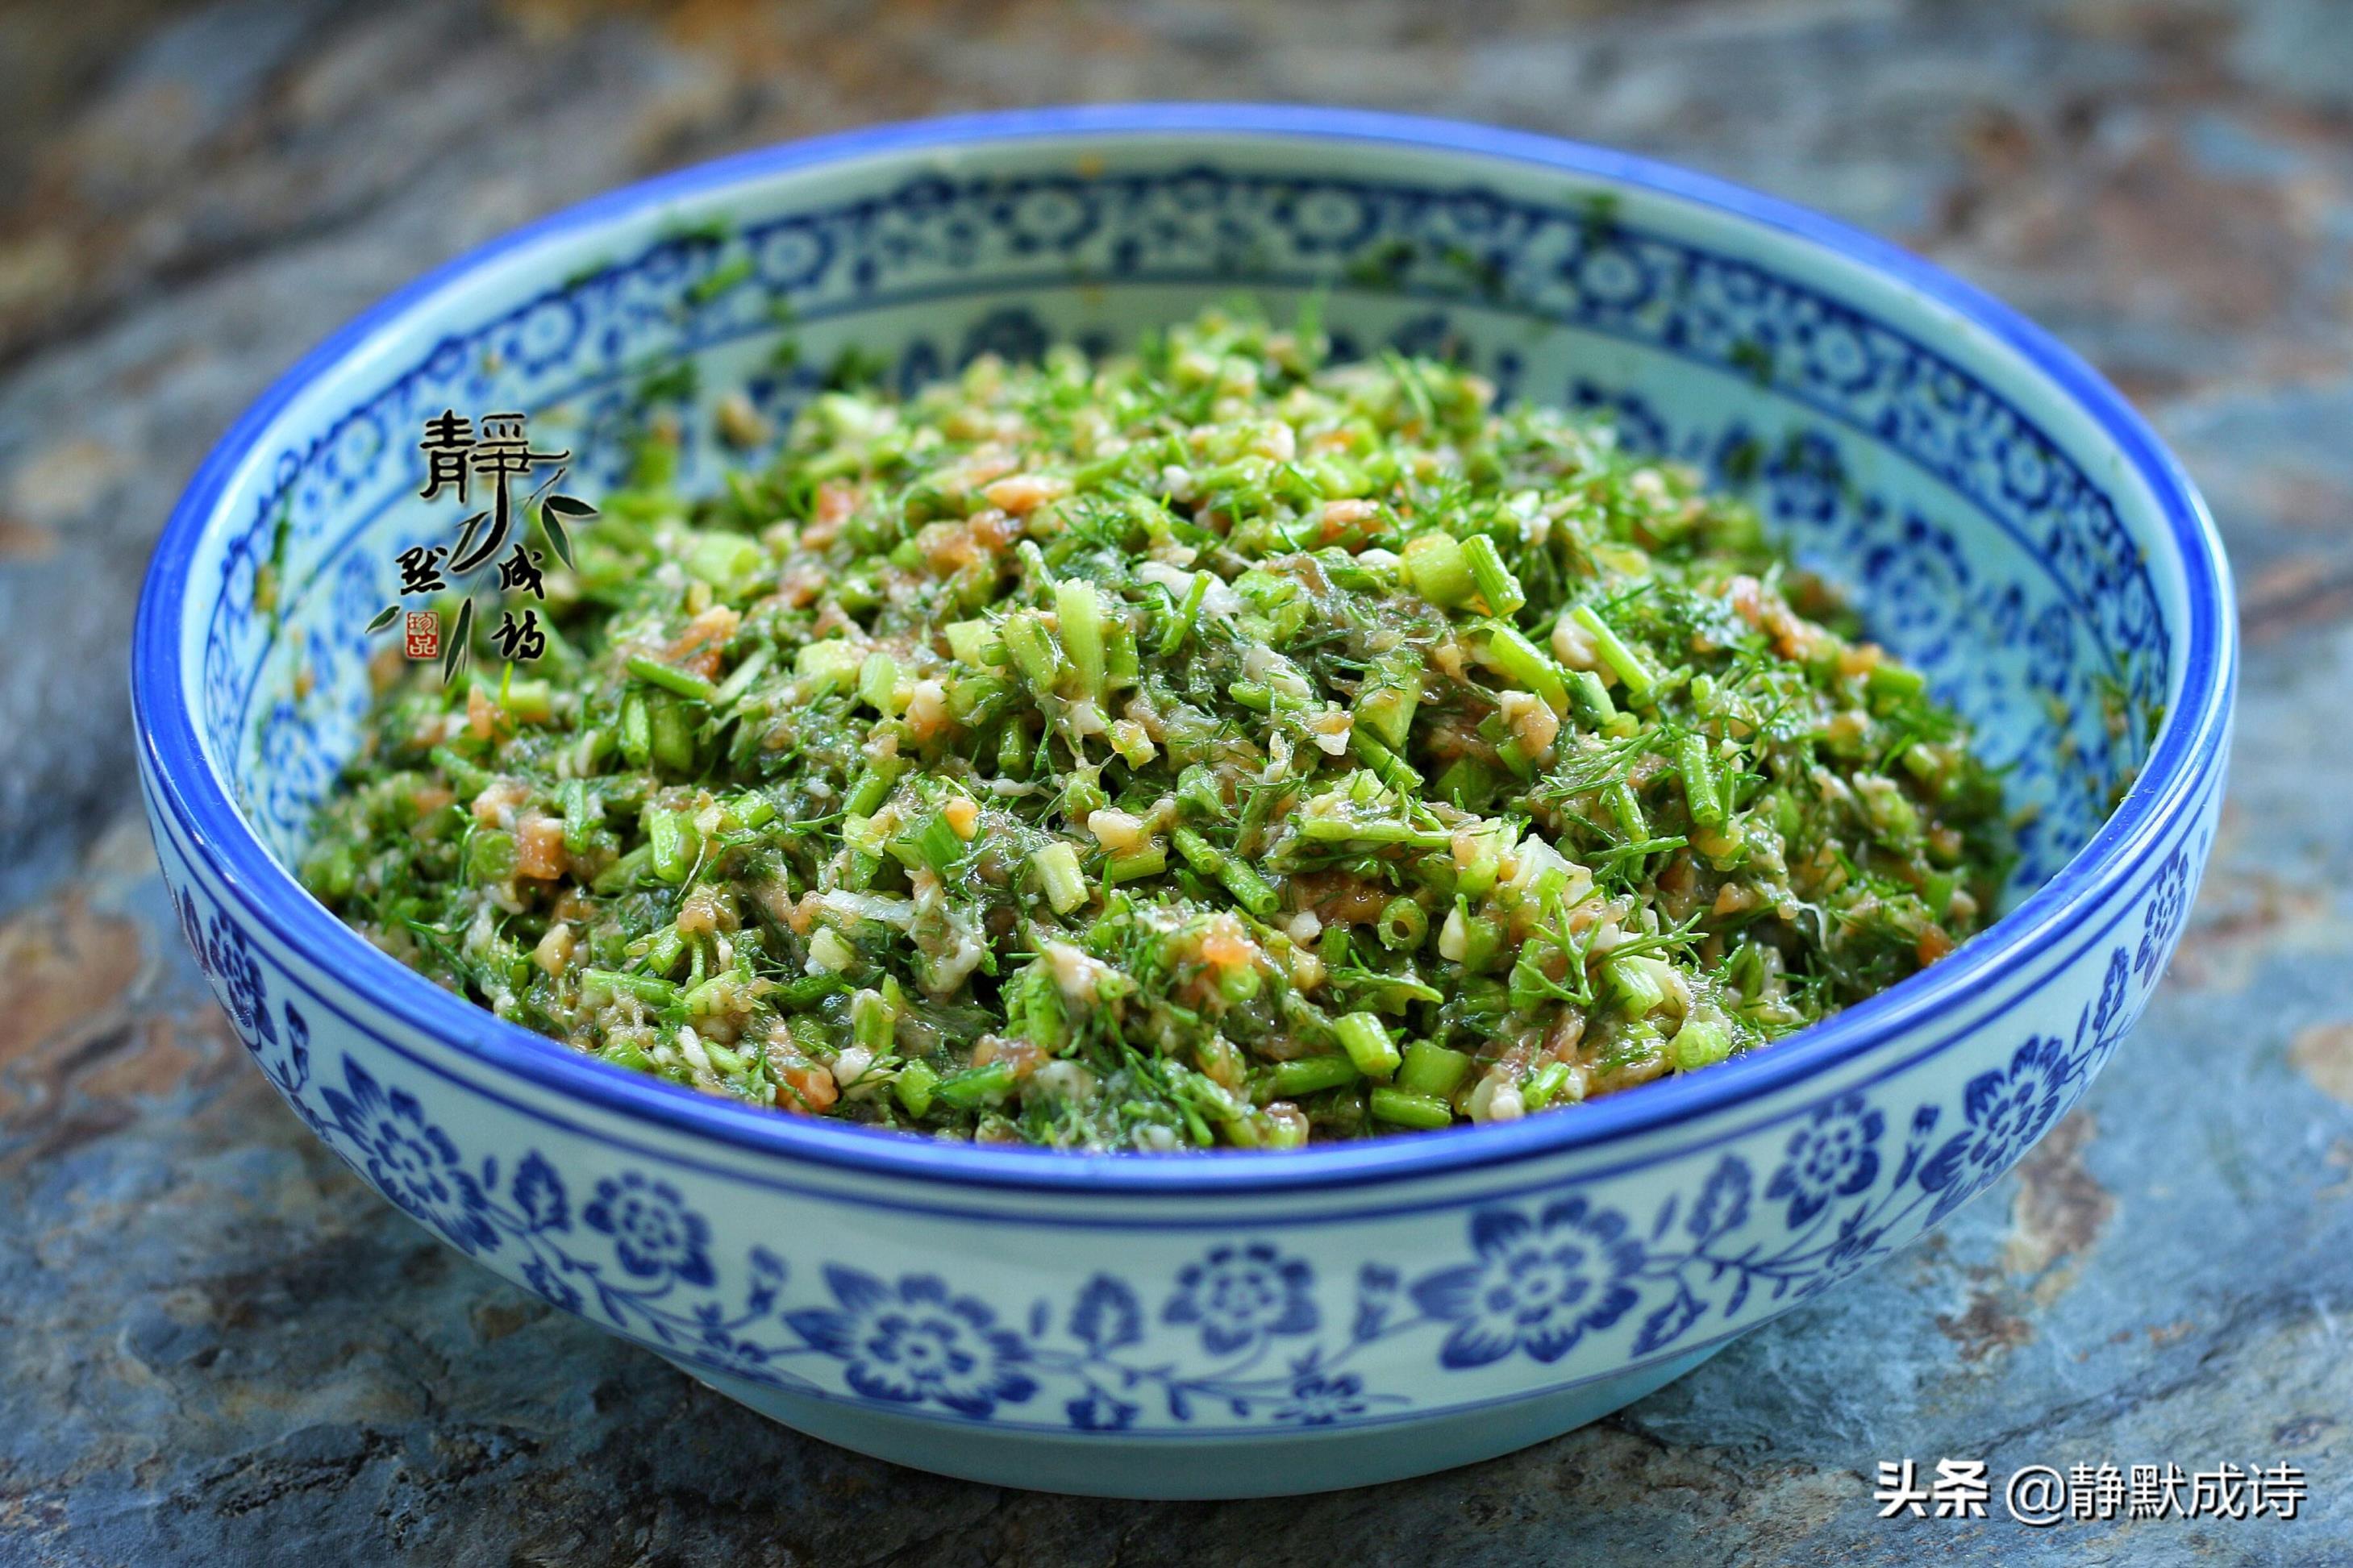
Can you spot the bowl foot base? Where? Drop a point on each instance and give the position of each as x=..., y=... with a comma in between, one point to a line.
x=1279, y=1464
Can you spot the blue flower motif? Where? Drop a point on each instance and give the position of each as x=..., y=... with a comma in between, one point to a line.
x=1099, y=1412
x=1723, y=1203
x=653, y=1231
x=1319, y=1400
x=1538, y=1286
x=1106, y=1315
x=919, y=366
x=552, y=1288
x=1010, y=333
x=1328, y=218
x=1052, y=215
x=2051, y=636
x=1427, y=336
x=227, y=960
x=1856, y=1242
x=730, y=1352
x=2008, y=1109
x=1376, y=1292
x=1832, y=1155
x=2161, y=918
x=191, y=927
x=539, y=1194
x=914, y=1342
x=1671, y=1322
x=410, y=1160
x=2108, y=1013
x=1242, y=1295
x=1806, y=480
x=291, y=1070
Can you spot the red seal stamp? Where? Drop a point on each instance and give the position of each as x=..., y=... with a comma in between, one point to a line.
x=423, y=630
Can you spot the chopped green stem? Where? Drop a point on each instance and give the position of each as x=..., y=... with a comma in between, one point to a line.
x=1081, y=613
x=1700, y=1044
x=1591, y=700
x=1180, y=625
x=914, y=1087
x=975, y=1087
x=674, y=841
x=1436, y=568
x=1525, y=666
x=1249, y=889
x=644, y=987
x=1387, y=765
x=1058, y=867
x=1404, y=1109
x=1310, y=1075
x=1700, y=793
x=1629, y=666
x=1496, y=584
x=1545, y=1086
x=684, y=682
x=1033, y=651
x=1403, y=925
x=1136, y=865
x=1366, y=1040
x=1432, y=1069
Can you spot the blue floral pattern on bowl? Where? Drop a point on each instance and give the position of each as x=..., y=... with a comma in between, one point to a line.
x=1536, y=1285
x=1252, y=1338
x=1241, y=1295
x=914, y=1340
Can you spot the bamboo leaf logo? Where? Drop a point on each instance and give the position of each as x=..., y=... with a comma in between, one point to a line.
x=453, y=657
x=552, y=515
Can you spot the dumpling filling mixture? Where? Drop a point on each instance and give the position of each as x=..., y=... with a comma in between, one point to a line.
x=1208, y=746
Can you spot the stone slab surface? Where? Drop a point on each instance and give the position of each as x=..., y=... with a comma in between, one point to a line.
x=216, y=1346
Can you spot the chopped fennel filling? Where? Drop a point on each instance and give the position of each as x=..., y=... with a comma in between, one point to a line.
x=1212, y=745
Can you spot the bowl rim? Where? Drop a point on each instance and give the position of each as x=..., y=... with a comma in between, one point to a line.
x=2181, y=759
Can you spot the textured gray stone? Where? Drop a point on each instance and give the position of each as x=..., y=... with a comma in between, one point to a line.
x=219, y=1347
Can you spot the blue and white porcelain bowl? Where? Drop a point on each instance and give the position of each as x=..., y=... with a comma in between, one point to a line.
x=1233, y=1324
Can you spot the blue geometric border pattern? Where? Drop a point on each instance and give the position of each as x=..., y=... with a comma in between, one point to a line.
x=1246, y=1332
x=2100, y=644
